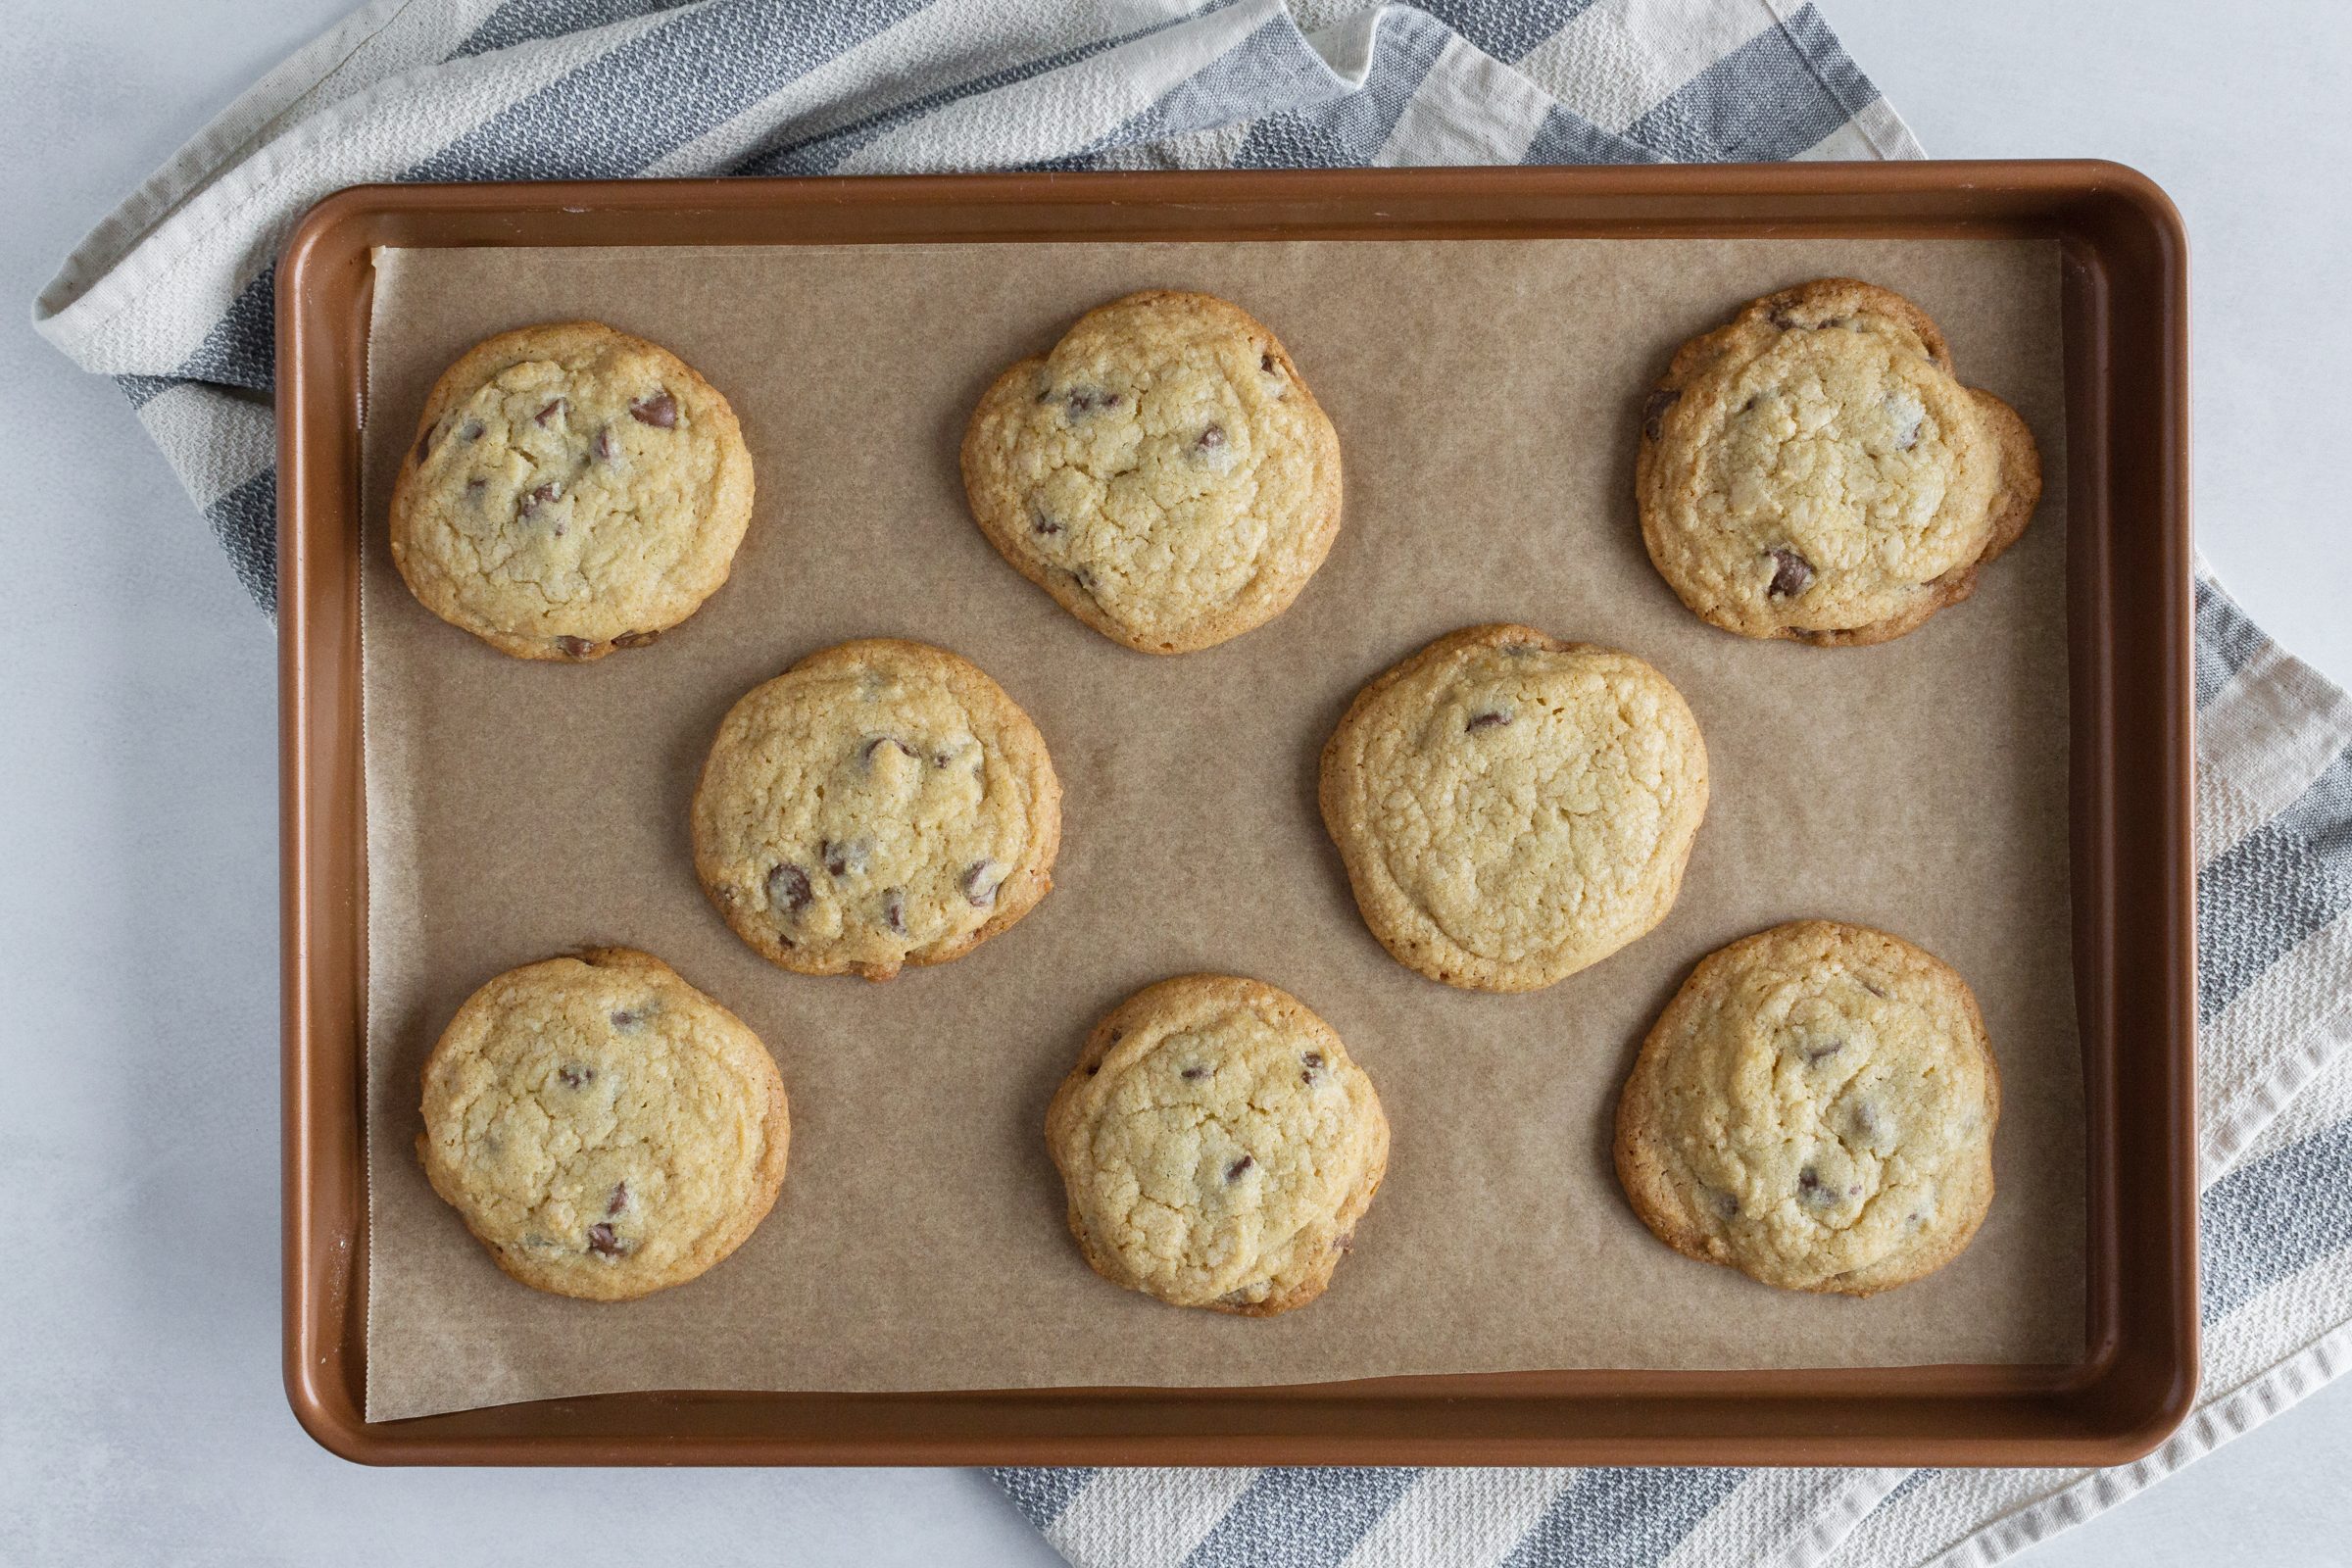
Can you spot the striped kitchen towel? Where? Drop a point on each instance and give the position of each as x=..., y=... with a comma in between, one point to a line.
x=171, y=294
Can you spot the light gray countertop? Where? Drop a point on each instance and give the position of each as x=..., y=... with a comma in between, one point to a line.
x=140, y=1411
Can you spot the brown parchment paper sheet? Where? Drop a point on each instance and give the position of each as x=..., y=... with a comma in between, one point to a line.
x=1486, y=394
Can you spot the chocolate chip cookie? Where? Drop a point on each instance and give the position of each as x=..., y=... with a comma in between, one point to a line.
x=1813, y=471
x=1815, y=1109
x=1163, y=472
x=1513, y=809
x=606, y=1129
x=572, y=490
x=880, y=803
x=1218, y=1145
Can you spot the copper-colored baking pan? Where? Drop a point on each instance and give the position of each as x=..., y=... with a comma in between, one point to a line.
x=2126, y=306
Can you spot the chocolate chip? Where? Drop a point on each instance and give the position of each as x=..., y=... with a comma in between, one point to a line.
x=660, y=410
x=978, y=890
x=472, y=431
x=575, y=647
x=788, y=888
x=630, y=1018
x=843, y=858
x=575, y=1076
x=1087, y=399
x=1812, y=1189
x=634, y=639
x=1782, y=319
x=550, y=412
x=1039, y=522
x=1233, y=1173
x=894, y=911
x=879, y=742
x=604, y=443
x=1313, y=1059
x=1653, y=412
x=1266, y=362
x=1822, y=1053
x=474, y=487
x=619, y=1200
x=1727, y=1204
x=1485, y=720
x=1791, y=575
x=603, y=1242
x=1866, y=1123
x=551, y=491
x=424, y=441
x=1749, y=406
x=1209, y=439
x=1193, y=1074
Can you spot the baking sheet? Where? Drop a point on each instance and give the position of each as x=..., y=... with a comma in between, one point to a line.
x=1485, y=395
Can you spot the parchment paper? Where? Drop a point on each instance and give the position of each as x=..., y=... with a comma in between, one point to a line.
x=1485, y=395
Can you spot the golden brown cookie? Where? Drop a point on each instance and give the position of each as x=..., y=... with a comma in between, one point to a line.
x=880, y=803
x=1815, y=1109
x=1163, y=472
x=1814, y=470
x=572, y=490
x=606, y=1129
x=1218, y=1145
x=1513, y=809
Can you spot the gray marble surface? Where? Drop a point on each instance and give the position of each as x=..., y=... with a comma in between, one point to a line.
x=140, y=1412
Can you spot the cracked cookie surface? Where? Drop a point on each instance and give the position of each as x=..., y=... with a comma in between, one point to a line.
x=880, y=803
x=1513, y=809
x=1815, y=1109
x=606, y=1129
x=1814, y=470
x=1218, y=1145
x=572, y=490
x=1163, y=472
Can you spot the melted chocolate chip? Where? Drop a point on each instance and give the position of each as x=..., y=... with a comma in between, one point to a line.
x=603, y=1242
x=1209, y=439
x=474, y=487
x=1783, y=320
x=603, y=444
x=472, y=431
x=573, y=1076
x=1087, y=399
x=551, y=491
x=630, y=1018
x=1749, y=406
x=1039, y=522
x=575, y=647
x=1309, y=1064
x=660, y=410
x=1866, y=1121
x=550, y=412
x=788, y=888
x=1313, y=1059
x=978, y=889
x=894, y=911
x=1727, y=1204
x=1791, y=575
x=619, y=1200
x=843, y=858
x=1233, y=1173
x=1193, y=1074
x=1812, y=1189
x=879, y=742
x=1486, y=720
x=1822, y=1053
x=634, y=639
x=1653, y=412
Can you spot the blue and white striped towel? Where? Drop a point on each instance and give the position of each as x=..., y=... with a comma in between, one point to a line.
x=170, y=296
